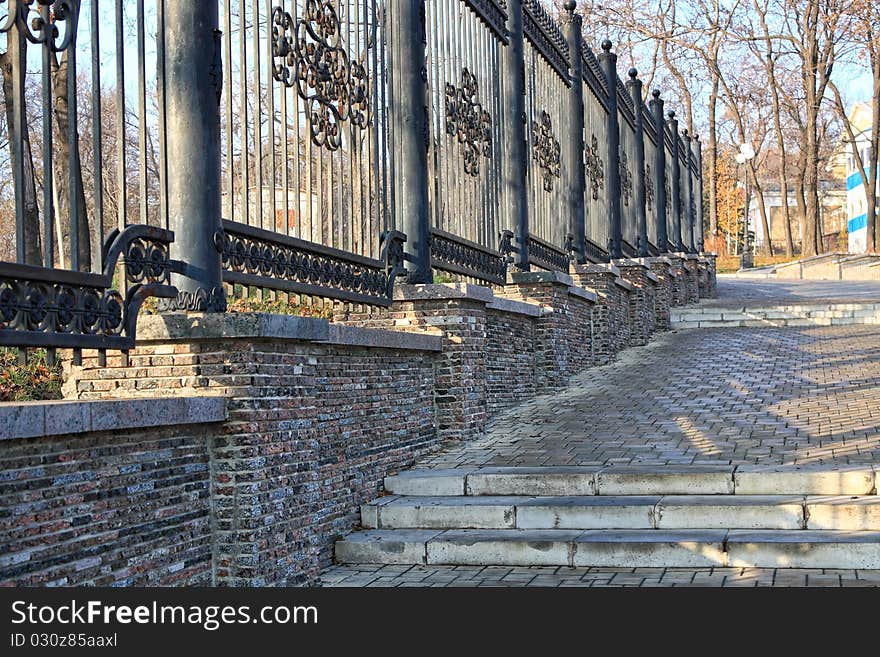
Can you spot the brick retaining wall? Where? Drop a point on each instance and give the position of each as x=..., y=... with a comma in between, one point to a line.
x=318, y=415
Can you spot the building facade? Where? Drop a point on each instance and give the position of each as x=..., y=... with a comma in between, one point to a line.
x=856, y=200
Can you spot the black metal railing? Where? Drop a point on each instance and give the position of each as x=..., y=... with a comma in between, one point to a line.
x=120, y=178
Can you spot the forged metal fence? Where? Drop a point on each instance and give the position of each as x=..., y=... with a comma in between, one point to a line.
x=314, y=149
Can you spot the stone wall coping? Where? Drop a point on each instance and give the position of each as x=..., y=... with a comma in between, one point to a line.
x=708, y=254
x=443, y=291
x=505, y=305
x=57, y=418
x=582, y=293
x=626, y=285
x=203, y=326
x=178, y=327
x=652, y=277
x=661, y=261
x=357, y=336
x=631, y=262
x=557, y=277
x=600, y=268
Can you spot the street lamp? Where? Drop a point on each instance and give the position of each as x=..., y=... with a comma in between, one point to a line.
x=746, y=153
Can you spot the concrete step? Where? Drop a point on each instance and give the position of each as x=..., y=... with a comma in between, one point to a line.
x=637, y=480
x=625, y=512
x=806, y=314
x=633, y=548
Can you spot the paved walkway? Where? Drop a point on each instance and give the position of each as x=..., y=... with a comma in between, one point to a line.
x=548, y=576
x=733, y=292
x=732, y=396
x=705, y=396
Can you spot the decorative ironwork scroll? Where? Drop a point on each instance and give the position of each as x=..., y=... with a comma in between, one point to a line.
x=626, y=180
x=460, y=256
x=468, y=122
x=59, y=308
x=546, y=150
x=252, y=256
x=547, y=256
x=309, y=55
x=649, y=188
x=595, y=169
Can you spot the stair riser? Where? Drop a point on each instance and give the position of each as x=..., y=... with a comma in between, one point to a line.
x=685, y=554
x=742, y=481
x=781, y=517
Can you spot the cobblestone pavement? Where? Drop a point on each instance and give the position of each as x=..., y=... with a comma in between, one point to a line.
x=734, y=292
x=730, y=395
x=441, y=576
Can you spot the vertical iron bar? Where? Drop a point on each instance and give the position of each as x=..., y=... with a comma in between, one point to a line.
x=688, y=221
x=163, y=129
x=142, y=111
x=660, y=172
x=243, y=119
x=409, y=118
x=573, y=24
x=48, y=171
x=608, y=60
x=73, y=143
x=699, y=237
x=15, y=43
x=230, y=149
x=97, y=128
x=514, y=150
x=675, y=183
x=270, y=87
x=634, y=86
x=193, y=90
x=258, y=114
x=121, y=202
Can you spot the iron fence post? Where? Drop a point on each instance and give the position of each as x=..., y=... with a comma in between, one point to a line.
x=608, y=61
x=660, y=171
x=675, y=183
x=409, y=123
x=634, y=86
x=698, y=236
x=573, y=24
x=193, y=87
x=688, y=192
x=514, y=149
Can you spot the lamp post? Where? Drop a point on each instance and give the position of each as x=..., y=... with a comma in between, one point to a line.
x=746, y=153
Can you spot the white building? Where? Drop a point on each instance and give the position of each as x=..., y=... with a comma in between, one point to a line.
x=856, y=202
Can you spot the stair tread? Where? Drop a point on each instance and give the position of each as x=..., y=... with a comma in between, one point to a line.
x=623, y=500
x=621, y=535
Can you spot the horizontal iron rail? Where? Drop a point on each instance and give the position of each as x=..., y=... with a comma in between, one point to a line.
x=460, y=256
x=257, y=257
x=547, y=256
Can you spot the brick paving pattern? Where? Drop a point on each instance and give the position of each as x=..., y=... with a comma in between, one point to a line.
x=734, y=292
x=708, y=396
x=548, y=576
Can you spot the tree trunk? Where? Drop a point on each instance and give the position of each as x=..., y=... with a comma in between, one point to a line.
x=713, y=160
x=33, y=252
x=765, y=221
x=66, y=163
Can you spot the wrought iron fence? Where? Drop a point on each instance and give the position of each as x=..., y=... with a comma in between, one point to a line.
x=88, y=210
x=465, y=40
x=314, y=148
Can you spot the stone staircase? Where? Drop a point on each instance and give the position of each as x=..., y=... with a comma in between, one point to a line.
x=636, y=516
x=804, y=314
